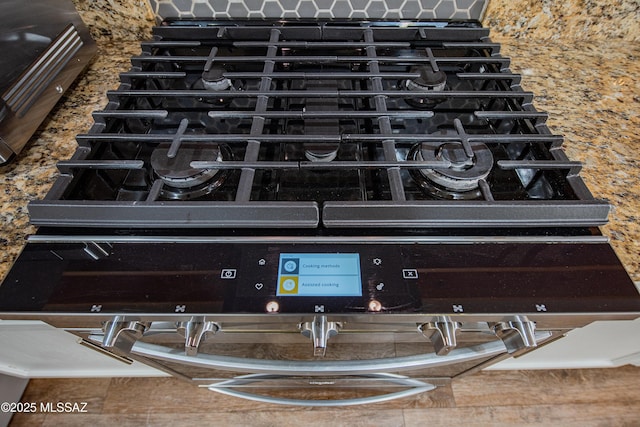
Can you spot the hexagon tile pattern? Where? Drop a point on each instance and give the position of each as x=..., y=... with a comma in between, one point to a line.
x=355, y=9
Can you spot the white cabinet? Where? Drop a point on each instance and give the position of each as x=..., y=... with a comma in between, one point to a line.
x=602, y=344
x=33, y=349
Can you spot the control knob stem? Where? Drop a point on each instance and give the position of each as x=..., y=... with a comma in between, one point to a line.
x=442, y=334
x=517, y=334
x=319, y=331
x=121, y=334
x=194, y=332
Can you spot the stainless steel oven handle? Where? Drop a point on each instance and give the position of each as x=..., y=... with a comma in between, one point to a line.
x=323, y=367
x=226, y=387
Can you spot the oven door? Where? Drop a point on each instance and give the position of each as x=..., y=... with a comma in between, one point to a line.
x=313, y=362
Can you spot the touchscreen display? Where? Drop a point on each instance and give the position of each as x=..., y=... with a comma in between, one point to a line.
x=329, y=275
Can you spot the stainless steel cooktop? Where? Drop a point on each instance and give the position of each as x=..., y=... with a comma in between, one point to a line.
x=307, y=125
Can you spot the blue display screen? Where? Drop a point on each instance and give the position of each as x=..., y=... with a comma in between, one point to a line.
x=335, y=275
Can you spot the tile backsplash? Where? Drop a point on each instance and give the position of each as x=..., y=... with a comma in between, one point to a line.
x=534, y=19
x=357, y=9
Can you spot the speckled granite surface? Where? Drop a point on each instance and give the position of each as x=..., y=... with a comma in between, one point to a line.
x=591, y=91
x=560, y=20
x=116, y=19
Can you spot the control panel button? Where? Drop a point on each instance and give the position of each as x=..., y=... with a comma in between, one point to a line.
x=288, y=285
x=290, y=266
x=375, y=305
x=228, y=273
x=409, y=273
x=272, y=307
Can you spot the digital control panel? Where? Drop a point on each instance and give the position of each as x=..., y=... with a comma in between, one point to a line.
x=317, y=274
x=292, y=278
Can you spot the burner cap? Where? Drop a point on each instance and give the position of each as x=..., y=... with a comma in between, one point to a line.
x=321, y=152
x=464, y=173
x=429, y=80
x=461, y=179
x=214, y=79
x=177, y=171
x=181, y=181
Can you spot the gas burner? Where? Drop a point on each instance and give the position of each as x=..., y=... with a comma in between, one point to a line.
x=460, y=181
x=321, y=152
x=181, y=181
x=213, y=79
x=431, y=79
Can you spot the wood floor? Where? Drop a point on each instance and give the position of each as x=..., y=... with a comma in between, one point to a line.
x=592, y=397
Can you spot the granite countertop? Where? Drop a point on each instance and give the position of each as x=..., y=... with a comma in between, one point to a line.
x=567, y=19
x=590, y=90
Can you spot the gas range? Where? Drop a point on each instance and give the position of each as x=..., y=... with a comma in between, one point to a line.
x=346, y=182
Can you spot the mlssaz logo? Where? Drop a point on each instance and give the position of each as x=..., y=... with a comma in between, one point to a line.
x=68, y=407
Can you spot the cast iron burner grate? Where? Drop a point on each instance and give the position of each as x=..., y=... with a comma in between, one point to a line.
x=310, y=125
